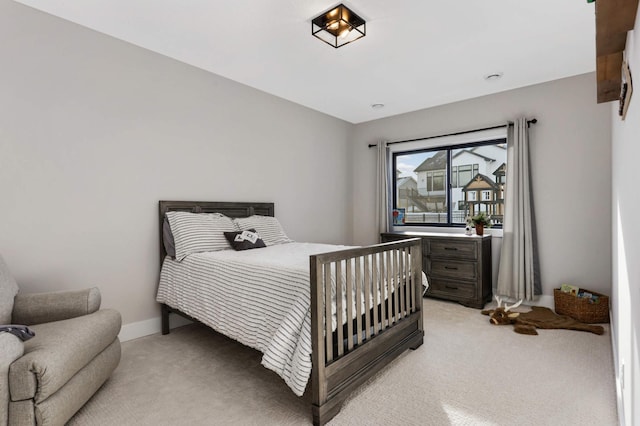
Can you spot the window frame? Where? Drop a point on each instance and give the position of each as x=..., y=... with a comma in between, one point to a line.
x=472, y=140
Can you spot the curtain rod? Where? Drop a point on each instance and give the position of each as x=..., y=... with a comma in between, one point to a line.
x=529, y=123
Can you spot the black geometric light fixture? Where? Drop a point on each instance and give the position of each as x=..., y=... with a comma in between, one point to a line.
x=338, y=26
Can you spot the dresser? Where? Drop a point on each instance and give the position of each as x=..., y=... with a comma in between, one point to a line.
x=458, y=266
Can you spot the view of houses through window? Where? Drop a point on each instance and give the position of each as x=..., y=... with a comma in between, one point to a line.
x=446, y=185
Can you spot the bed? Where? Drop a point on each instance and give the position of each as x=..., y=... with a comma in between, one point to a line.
x=325, y=320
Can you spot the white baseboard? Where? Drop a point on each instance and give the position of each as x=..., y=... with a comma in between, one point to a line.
x=143, y=328
x=543, y=300
x=616, y=370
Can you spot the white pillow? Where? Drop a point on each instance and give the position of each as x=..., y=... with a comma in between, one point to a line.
x=199, y=232
x=267, y=227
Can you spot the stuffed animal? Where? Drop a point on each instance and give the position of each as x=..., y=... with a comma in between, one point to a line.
x=538, y=317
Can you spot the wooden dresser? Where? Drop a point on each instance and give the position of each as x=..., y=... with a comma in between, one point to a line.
x=458, y=266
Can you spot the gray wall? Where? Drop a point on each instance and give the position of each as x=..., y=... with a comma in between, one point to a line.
x=626, y=241
x=571, y=166
x=94, y=131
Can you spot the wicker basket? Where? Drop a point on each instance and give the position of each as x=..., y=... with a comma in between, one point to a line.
x=580, y=309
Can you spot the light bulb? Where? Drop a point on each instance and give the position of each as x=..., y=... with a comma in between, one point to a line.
x=344, y=33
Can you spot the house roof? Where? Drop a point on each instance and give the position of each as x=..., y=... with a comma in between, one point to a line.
x=480, y=182
x=472, y=151
x=501, y=170
x=405, y=180
x=437, y=162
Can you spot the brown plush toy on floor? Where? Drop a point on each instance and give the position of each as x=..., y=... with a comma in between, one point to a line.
x=538, y=317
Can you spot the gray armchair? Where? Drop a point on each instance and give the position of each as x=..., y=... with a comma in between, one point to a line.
x=49, y=377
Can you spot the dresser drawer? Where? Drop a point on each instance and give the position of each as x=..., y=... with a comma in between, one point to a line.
x=452, y=249
x=452, y=269
x=458, y=266
x=451, y=289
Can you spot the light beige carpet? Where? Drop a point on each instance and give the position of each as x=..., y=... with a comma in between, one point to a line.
x=468, y=372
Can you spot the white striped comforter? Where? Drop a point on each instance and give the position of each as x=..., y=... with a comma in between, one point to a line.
x=258, y=297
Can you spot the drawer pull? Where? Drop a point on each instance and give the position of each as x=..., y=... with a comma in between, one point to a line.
x=455, y=268
x=450, y=287
x=451, y=248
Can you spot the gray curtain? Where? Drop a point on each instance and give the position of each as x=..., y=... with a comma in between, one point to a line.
x=382, y=188
x=519, y=271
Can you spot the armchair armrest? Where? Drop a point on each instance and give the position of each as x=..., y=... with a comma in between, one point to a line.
x=38, y=308
x=11, y=348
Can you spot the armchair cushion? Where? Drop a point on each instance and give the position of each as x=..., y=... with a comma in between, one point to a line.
x=11, y=348
x=60, y=350
x=39, y=308
x=8, y=290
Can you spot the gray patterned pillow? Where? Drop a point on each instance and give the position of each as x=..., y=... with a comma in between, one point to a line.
x=268, y=227
x=8, y=291
x=199, y=232
x=244, y=240
x=167, y=238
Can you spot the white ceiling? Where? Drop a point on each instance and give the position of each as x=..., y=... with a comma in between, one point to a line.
x=416, y=53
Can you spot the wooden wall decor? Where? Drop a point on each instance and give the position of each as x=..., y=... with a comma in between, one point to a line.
x=613, y=19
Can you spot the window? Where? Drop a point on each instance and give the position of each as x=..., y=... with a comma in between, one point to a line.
x=438, y=181
x=442, y=185
x=464, y=174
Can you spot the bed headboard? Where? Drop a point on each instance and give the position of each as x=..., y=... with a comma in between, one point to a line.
x=231, y=209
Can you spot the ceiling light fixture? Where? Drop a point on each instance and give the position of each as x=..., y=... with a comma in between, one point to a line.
x=338, y=26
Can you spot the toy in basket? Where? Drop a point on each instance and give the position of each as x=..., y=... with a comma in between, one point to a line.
x=581, y=304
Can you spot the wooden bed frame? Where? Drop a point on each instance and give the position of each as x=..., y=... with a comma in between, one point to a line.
x=343, y=359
